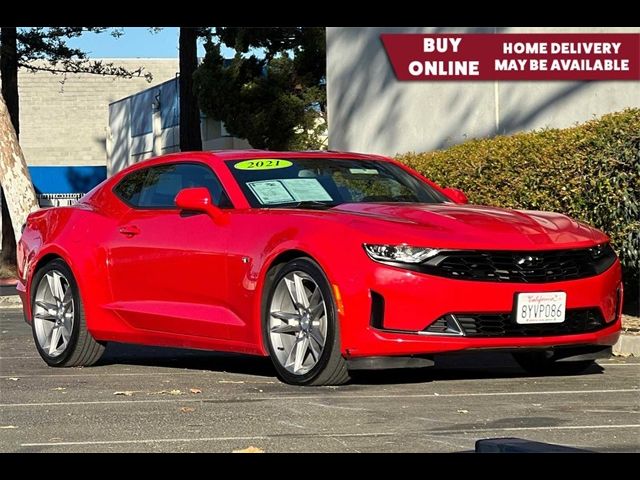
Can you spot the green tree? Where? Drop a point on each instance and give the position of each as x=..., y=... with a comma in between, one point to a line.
x=40, y=49
x=276, y=101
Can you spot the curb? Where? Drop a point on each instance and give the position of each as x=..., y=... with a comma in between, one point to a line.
x=10, y=301
x=627, y=346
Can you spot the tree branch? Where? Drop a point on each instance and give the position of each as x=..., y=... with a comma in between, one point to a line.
x=92, y=68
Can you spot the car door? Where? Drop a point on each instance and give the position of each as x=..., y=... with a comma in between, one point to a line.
x=168, y=269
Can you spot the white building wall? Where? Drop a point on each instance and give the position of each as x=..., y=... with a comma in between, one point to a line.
x=126, y=146
x=370, y=111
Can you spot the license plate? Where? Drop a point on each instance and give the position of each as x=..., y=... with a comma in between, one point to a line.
x=547, y=307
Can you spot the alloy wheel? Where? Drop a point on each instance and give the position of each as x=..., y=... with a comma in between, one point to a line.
x=53, y=313
x=298, y=322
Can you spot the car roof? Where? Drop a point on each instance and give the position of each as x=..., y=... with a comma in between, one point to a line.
x=224, y=155
x=219, y=156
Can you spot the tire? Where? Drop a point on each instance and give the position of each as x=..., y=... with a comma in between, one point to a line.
x=61, y=316
x=293, y=330
x=540, y=364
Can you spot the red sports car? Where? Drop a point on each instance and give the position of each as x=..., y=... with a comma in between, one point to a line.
x=326, y=262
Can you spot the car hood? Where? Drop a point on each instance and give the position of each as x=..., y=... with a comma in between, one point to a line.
x=474, y=226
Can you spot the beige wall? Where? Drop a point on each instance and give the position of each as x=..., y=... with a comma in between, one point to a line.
x=370, y=111
x=63, y=119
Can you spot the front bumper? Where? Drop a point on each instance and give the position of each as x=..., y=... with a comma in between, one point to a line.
x=412, y=301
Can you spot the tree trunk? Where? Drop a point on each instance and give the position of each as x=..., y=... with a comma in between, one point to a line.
x=190, y=138
x=9, y=76
x=14, y=175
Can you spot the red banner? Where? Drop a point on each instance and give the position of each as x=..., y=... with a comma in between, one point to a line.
x=534, y=56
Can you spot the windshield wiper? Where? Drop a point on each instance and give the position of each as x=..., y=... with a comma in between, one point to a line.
x=311, y=204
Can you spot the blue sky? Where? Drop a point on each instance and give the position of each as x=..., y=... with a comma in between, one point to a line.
x=136, y=42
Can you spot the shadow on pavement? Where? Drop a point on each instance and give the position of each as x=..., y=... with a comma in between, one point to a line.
x=463, y=366
x=467, y=366
x=124, y=354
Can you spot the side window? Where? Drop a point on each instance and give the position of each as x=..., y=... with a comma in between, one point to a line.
x=157, y=187
x=196, y=175
x=130, y=187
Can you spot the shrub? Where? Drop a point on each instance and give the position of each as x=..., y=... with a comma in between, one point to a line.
x=590, y=172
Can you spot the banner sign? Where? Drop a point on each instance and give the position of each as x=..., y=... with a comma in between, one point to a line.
x=534, y=56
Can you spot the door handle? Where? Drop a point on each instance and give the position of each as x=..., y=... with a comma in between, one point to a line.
x=129, y=230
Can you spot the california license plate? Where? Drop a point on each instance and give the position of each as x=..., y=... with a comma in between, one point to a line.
x=547, y=307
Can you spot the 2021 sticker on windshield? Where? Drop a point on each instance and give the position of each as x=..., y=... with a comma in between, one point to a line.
x=262, y=164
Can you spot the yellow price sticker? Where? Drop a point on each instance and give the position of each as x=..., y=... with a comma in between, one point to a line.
x=262, y=164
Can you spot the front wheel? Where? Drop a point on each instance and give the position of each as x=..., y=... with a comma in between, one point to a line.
x=59, y=327
x=301, y=327
x=540, y=363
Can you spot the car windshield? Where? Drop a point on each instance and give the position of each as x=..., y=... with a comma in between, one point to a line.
x=326, y=182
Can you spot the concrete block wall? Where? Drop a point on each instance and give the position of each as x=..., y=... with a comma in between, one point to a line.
x=63, y=118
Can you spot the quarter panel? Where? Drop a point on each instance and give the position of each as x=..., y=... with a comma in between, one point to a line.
x=75, y=234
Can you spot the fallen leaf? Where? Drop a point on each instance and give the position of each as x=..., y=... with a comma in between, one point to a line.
x=187, y=409
x=14, y=379
x=463, y=411
x=436, y=394
x=167, y=392
x=8, y=427
x=249, y=450
x=195, y=390
x=230, y=381
x=126, y=393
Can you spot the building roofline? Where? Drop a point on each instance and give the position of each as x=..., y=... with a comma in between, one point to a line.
x=142, y=91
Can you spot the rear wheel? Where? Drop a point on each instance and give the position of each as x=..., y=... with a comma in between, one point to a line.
x=301, y=328
x=59, y=327
x=540, y=363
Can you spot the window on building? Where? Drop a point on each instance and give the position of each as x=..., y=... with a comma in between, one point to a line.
x=142, y=112
x=169, y=104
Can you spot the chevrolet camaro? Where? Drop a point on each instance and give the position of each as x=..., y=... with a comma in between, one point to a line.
x=326, y=262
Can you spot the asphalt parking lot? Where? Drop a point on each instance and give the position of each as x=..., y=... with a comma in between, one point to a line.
x=141, y=399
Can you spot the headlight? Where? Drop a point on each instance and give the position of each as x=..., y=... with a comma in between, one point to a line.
x=399, y=253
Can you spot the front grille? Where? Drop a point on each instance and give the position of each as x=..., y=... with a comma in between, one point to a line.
x=576, y=321
x=521, y=267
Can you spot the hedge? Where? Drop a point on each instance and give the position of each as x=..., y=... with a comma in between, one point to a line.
x=590, y=172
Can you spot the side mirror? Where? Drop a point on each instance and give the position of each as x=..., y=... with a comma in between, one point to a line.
x=199, y=200
x=456, y=195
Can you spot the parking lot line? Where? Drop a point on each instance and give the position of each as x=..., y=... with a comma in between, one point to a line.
x=319, y=435
x=619, y=364
x=133, y=374
x=19, y=358
x=551, y=427
x=172, y=372
x=280, y=398
x=208, y=439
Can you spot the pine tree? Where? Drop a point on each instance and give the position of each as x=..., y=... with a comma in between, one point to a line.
x=276, y=101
